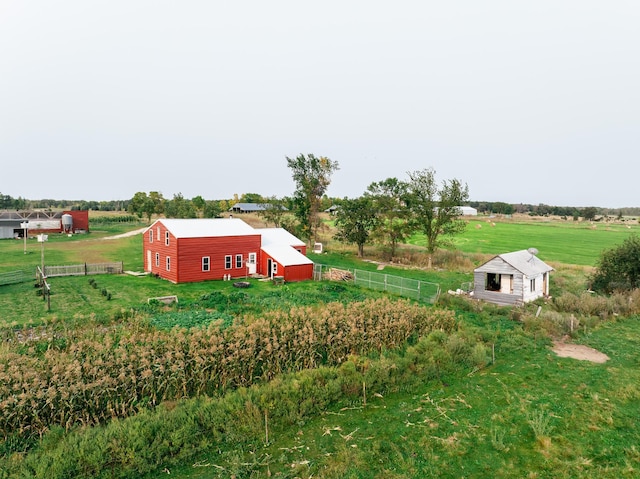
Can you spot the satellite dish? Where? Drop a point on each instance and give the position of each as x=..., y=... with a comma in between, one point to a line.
x=533, y=251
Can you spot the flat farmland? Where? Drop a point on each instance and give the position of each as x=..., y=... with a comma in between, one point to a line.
x=562, y=241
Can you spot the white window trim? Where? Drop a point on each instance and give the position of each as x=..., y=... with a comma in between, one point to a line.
x=238, y=261
x=158, y=259
x=168, y=263
x=150, y=236
x=228, y=261
x=206, y=263
x=166, y=238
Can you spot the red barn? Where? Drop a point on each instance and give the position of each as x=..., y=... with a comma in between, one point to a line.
x=187, y=250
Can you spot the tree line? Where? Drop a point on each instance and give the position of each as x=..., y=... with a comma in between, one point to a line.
x=10, y=203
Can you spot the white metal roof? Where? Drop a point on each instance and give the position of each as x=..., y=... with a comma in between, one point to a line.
x=278, y=236
x=525, y=262
x=286, y=255
x=207, y=227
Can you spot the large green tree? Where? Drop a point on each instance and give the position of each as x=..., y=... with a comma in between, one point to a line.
x=180, y=207
x=393, y=225
x=147, y=205
x=618, y=268
x=312, y=176
x=435, y=207
x=355, y=220
x=211, y=209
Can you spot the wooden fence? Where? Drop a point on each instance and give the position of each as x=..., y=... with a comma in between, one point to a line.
x=84, y=269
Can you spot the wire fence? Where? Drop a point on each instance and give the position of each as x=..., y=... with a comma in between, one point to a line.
x=407, y=287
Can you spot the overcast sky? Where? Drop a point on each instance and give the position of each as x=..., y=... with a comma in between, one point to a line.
x=526, y=102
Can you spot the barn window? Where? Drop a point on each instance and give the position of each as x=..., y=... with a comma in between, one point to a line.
x=205, y=263
x=532, y=284
x=150, y=236
x=166, y=238
x=492, y=282
x=168, y=263
x=157, y=259
x=238, y=261
x=227, y=262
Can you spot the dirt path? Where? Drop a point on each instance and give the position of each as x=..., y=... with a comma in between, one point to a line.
x=125, y=235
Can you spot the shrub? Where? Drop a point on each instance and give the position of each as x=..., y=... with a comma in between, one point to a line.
x=619, y=268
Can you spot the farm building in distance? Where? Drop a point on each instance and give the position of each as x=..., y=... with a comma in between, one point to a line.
x=188, y=250
x=252, y=207
x=468, y=211
x=512, y=278
x=12, y=222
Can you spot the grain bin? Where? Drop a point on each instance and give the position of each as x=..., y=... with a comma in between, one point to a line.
x=67, y=223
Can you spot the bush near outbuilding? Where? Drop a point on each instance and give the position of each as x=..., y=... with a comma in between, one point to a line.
x=618, y=268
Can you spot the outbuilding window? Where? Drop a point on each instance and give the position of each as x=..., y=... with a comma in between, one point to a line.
x=150, y=236
x=166, y=238
x=238, y=261
x=168, y=263
x=157, y=259
x=205, y=263
x=532, y=284
x=227, y=262
x=492, y=282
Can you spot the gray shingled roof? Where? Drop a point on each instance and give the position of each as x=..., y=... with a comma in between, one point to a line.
x=523, y=261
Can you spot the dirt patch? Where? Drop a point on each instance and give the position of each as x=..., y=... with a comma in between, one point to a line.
x=578, y=351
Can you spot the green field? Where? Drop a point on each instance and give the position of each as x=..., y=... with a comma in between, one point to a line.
x=485, y=399
x=561, y=241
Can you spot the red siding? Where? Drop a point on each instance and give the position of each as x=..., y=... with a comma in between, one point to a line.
x=80, y=219
x=297, y=272
x=192, y=250
x=158, y=246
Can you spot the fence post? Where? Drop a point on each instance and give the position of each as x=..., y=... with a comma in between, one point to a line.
x=85, y=268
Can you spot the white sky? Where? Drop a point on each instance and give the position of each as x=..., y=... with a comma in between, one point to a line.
x=526, y=102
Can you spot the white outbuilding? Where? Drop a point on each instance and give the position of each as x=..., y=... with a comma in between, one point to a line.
x=512, y=278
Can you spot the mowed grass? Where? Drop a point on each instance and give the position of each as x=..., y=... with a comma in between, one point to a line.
x=563, y=241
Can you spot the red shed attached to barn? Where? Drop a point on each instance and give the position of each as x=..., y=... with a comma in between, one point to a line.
x=284, y=255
